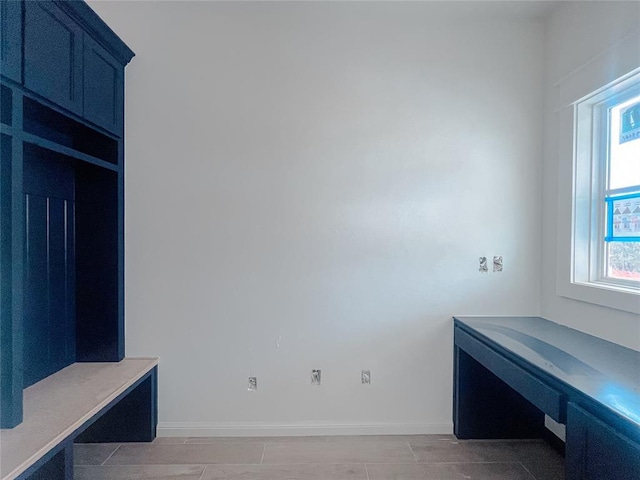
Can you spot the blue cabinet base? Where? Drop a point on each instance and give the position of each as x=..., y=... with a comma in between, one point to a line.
x=510, y=372
x=596, y=451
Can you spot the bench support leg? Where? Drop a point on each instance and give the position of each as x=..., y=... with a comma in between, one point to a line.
x=58, y=467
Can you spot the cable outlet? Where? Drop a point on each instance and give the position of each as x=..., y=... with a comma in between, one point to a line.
x=365, y=377
x=316, y=376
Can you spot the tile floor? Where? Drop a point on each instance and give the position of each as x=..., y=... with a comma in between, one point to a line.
x=415, y=457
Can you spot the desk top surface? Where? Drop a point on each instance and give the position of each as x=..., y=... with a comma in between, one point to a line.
x=57, y=406
x=606, y=372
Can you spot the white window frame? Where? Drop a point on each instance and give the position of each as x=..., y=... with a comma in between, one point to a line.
x=582, y=277
x=601, y=139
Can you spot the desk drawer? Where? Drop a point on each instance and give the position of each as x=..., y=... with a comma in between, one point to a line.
x=540, y=394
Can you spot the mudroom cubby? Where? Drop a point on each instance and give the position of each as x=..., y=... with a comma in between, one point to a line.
x=61, y=192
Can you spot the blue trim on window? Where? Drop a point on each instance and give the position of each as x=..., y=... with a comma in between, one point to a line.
x=622, y=197
x=611, y=237
x=621, y=239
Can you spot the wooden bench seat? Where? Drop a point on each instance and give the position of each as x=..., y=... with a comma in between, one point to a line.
x=83, y=402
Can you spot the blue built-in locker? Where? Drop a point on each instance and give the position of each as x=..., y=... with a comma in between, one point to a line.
x=53, y=54
x=61, y=193
x=49, y=267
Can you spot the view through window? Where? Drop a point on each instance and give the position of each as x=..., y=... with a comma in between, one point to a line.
x=622, y=250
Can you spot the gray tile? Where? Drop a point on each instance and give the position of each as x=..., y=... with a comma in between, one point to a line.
x=537, y=452
x=149, y=472
x=166, y=454
x=313, y=439
x=366, y=438
x=421, y=440
x=354, y=451
x=92, y=453
x=483, y=451
x=170, y=440
x=449, y=471
x=226, y=440
x=548, y=470
x=285, y=472
x=333, y=438
x=161, y=440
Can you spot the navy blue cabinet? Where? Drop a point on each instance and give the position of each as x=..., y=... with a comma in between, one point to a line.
x=61, y=193
x=596, y=451
x=67, y=66
x=53, y=46
x=11, y=40
x=49, y=268
x=103, y=83
x=510, y=371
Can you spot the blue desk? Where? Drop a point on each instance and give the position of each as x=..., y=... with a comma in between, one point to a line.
x=511, y=371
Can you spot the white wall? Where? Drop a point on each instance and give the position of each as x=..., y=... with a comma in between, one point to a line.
x=588, y=44
x=324, y=176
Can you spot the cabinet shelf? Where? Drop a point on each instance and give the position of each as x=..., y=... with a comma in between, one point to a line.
x=45, y=144
x=69, y=152
x=47, y=124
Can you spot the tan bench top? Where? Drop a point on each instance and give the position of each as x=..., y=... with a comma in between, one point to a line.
x=57, y=406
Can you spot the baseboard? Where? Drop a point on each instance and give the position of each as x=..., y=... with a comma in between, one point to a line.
x=298, y=429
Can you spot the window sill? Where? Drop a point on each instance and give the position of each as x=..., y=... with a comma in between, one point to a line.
x=606, y=295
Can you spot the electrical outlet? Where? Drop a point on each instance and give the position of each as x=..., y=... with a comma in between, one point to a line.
x=365, y=377
x=252, y=384
x=483, y=267
x=497, y=263
x=316, y=377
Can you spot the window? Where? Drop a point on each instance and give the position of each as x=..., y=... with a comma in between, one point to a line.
x=606, y=197
x=622, y=191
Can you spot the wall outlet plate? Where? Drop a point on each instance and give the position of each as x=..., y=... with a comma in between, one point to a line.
x=252, y=384
x=316, y=377
x=497, y=263
x=482, y=265
x=365, y=377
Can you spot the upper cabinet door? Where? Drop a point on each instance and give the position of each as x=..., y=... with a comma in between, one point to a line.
x=103, y=87
x=53, y=55
x=11, y=40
